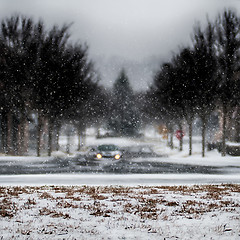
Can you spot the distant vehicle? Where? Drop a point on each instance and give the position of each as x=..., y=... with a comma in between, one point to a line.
x=103, y=133
x=105, y=151
x=139, y=151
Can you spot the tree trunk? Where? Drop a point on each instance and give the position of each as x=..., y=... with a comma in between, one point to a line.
x=224, y=130
x=237, y=125
x=84, y=137
x=181, y=139
x=68, y=143
x=25, y=136
x=190, y=138
x=57, y=137
x=9, y=132
x=79, y=138
x=50, y=131
x=170, y=127
x=203, y=118
x=54, y=137
x=20, y=138
x=15, y=136
x=39, y=135
x=4, y=132
x=190, y=121
x=1, y=132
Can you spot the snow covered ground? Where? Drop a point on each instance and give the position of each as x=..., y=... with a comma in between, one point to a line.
x=115, y=212
x=129, y=206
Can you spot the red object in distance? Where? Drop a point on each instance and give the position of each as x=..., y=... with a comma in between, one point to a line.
x=179, y=134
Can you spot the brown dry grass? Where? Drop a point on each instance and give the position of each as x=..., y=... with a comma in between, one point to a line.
x=45, y=212
x=146, y=202
x=7, y=207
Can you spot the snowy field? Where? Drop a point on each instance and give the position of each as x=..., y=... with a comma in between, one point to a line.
x=129, y=206
x=115, y=212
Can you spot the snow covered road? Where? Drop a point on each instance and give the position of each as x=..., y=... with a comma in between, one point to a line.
x=116, y=179
x=177, y=168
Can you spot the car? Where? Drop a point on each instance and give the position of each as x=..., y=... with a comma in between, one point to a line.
x=138, y=151
x=105, y=151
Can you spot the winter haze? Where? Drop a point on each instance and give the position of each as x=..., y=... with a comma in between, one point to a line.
x=135, y=34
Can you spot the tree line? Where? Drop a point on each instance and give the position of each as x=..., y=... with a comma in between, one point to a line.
x=201, y=79
x=45, y=80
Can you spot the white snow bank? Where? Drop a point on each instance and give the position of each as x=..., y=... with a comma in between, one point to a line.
x=115, y=179
x=24, y=158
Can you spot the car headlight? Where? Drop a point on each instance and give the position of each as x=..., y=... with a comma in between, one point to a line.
x=99, y=156
x=117, y=156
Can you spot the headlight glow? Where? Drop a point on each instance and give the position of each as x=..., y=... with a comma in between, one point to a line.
x=117, y=156
x=99, y=156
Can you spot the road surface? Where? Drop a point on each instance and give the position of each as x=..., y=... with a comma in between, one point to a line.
x=143, y=171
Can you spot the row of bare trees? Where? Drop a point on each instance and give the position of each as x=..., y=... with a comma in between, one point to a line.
x=44, y=80
x=201, y=79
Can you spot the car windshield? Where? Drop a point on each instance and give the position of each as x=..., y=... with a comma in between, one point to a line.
x=107, y=148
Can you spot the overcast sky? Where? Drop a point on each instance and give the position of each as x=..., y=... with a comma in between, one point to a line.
x=136, y=34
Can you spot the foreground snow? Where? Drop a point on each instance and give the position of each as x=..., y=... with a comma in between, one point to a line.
x=116, y=212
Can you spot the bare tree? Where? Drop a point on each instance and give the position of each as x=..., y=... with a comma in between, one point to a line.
x=228, y=30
